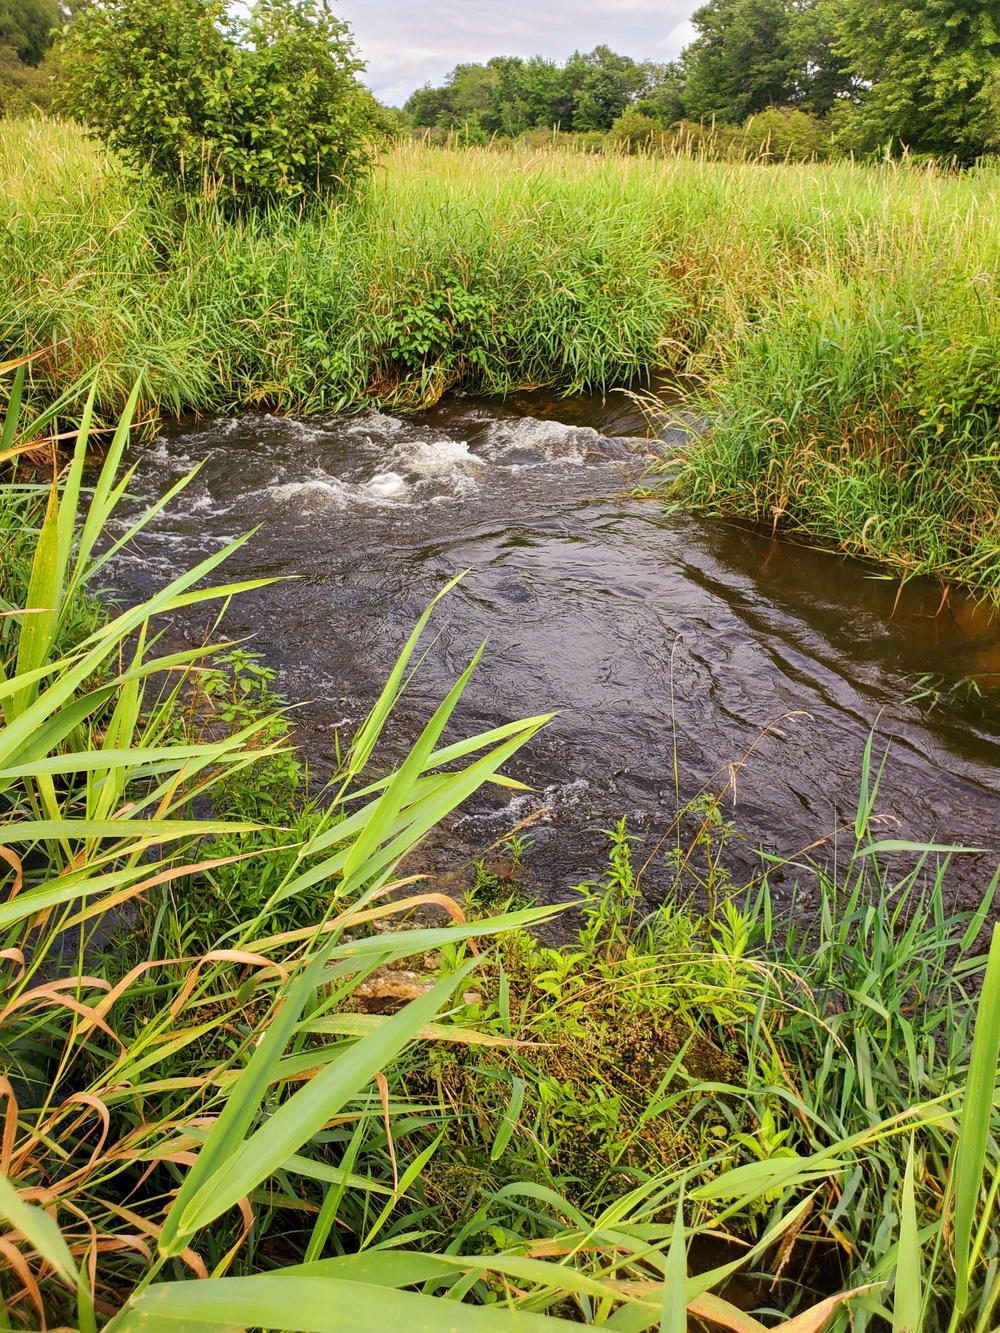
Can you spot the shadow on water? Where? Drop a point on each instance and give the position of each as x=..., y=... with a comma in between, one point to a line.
x=643, y=629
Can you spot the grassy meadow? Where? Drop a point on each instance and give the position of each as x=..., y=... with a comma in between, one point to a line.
x=836, y=326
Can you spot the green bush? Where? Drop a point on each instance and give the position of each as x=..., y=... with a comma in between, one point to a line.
x=251, y=112
x=25, y=90
x=635, y=132
x=783, y=134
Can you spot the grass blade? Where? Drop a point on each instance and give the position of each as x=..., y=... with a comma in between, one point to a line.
x=674, y=1316
x=907, y=1298
x=977, y=1111
x=312, y=1305
x=39, y=1230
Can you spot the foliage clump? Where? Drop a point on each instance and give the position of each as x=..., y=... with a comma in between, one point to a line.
x=249, y=112
x=930, y=78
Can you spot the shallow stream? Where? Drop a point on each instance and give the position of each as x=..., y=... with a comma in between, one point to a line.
x=586, y=596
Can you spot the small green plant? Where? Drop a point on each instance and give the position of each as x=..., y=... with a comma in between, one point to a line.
x=500, y=879
x=237, y=693
x=931, y=690
x=697, y=861
x=608, y=906
x=234, y=696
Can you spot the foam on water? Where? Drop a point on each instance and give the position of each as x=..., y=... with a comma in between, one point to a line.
x=373, y=462
x=385, y=486
x=526, y=442
x=434, y=458
x=315, y=493
x=548, y=806
x=392, y=462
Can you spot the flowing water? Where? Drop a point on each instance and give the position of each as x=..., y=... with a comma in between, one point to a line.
x=654, y=635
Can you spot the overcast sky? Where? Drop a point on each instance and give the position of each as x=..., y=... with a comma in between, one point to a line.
x=408, y=43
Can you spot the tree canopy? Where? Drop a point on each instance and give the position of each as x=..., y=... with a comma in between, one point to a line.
x=742, y=60
x=930, y=66
x=509, y=95
x=26, y=28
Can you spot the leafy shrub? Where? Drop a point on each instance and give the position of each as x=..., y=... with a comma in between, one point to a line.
x=249, y=112
x=439, y=324
x=634, y=131
x=24, y=89
x=779, y=134
x=786, y=135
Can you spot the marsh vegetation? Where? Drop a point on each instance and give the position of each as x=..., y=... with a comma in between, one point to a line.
x=835, y=327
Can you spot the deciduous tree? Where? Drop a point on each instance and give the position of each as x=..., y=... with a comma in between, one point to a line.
x=742, y=61
x=929, y=64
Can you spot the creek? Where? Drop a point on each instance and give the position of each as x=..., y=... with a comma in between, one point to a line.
x=652, y=634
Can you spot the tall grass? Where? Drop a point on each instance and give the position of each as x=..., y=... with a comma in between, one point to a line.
x=839, y=323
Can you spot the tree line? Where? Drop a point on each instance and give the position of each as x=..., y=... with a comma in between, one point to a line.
x=915, y=75
x=820, y=76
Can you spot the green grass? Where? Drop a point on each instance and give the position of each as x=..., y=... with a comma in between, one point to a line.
x=672, y=1047
x=839, y=324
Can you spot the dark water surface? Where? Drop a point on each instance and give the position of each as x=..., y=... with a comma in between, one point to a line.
x=585, y=595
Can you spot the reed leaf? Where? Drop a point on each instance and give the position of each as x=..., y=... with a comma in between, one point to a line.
x=977, y=1111
x=312, y=1305
x=907, y=1300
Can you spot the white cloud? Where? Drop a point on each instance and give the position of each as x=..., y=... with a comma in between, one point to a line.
x=682, y=35
x=411, y=42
